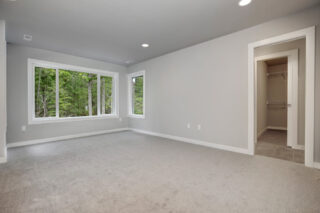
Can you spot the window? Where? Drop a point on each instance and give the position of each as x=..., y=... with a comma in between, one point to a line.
x=136, y=87
x=45, y=92
x=106, y=94
x=77, y=94
x=59, y=92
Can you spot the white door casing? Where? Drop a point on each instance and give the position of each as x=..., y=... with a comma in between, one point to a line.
x=309, y=35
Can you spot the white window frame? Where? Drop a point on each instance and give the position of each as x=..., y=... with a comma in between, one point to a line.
x=130, y=109
x=32, y=63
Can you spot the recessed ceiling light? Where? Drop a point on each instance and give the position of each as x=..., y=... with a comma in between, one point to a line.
x=27, y=37
x=244, y=2
x=145, y=45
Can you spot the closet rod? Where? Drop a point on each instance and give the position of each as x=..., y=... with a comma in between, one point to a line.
x=276, y=103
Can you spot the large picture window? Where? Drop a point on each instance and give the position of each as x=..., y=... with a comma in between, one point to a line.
x=77, y=94
x=59, y=92
x=136, y=85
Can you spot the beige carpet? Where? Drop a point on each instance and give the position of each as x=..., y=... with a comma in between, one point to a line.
x=273, y=143
x=128, y=172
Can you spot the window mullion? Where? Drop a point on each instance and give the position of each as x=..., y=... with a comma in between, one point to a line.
x=113, y=87
x=33, y=92
x=57, y=93
x=129, y=94
x=98, y=95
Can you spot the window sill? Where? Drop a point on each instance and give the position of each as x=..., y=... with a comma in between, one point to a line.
x=69, y=119
x=136, y=116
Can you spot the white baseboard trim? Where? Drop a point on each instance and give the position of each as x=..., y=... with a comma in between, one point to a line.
x=4, y=158
x=316, y=165
x=66, y=137
x=194, y=141
x=262, y=131
x=276, y=128
x=297, y=146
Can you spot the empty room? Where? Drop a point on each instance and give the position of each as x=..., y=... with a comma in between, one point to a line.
x=119, y=106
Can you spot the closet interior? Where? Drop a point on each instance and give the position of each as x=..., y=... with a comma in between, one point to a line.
x=272, y=110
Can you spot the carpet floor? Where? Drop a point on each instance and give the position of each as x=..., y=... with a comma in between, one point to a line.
x=134, y=173
x=273, y=143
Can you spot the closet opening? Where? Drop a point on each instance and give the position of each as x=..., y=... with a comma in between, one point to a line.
x=280, y=100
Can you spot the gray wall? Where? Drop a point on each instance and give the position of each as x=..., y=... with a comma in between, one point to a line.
x=207, y=84
x=3, y=114
x=17, y=88
x=299, y=44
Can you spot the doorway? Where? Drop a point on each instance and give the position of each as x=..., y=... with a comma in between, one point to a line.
x=308, y=106
x=277, y=102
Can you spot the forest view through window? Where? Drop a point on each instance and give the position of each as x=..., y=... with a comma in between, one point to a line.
x=106, y=94
x=45, y=92
x=77, y=94
x=64, y=93
x=137, y=95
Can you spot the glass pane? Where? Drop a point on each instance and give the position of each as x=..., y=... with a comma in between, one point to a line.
x=106, y=94
x=137, y=95
x=77, y=94
x=45, y=92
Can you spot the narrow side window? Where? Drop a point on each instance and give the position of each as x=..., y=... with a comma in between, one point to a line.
x=136, y=84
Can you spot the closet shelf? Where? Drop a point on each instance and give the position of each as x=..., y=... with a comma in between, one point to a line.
x=276, y=73
x=282, y=74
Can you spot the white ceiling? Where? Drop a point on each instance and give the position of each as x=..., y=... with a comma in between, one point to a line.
x=113, y=30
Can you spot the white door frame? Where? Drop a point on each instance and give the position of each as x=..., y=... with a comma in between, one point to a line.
x=3, y=93
x=309, y=35
x=292, y=97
